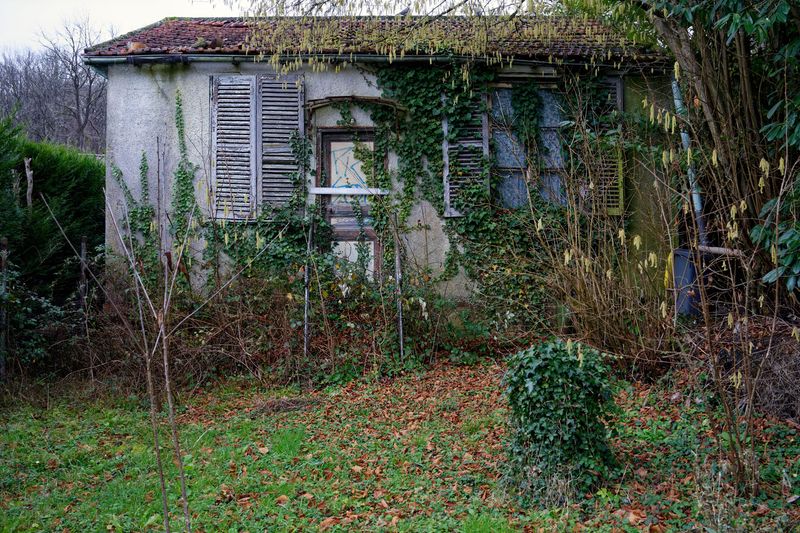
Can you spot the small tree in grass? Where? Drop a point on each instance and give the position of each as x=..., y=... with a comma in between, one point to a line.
x=559, y=396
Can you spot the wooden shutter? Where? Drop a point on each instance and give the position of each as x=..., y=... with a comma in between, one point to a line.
x=611, y=182
x=233, y=146
x=281, y=105
x=611, y=94
x=463, y=160
x=611, y=167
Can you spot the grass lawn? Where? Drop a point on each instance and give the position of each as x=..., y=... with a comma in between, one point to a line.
x=422, y=452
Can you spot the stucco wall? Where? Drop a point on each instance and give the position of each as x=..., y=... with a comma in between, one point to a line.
x=141, y=118
x=644, y=203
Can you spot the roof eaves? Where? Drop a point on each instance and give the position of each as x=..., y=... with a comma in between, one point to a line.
x=110, y=49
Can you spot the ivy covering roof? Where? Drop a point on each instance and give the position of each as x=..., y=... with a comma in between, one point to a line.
x=541, y=38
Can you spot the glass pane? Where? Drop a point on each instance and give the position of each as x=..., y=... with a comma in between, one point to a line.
x=508, y=152
x=346, y=171
x=551, y=149
x=513, y=190
x=501, y=106
x=551, y=115
x=551, y=188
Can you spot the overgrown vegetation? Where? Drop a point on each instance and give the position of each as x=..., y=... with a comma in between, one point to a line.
x=271, y=296
x=424, y=451
x=40, y=184
x=559, y=395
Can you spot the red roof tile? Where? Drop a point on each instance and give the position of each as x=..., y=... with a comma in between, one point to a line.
x=527, y=37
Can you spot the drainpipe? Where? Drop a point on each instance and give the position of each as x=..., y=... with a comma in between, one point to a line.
x=684, y=267
x=697, y=199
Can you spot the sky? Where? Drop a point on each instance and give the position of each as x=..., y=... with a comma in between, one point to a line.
x=23, y=21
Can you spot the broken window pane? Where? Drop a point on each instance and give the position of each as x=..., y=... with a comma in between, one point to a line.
x=512, y=189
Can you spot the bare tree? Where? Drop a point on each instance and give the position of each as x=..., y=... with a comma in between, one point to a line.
x=84, y=103
x=29, y=85
x=52, y=94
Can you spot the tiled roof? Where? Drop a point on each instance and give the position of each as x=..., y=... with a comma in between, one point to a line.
x=550, y=39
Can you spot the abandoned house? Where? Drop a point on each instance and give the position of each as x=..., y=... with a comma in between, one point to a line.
x=249, y=86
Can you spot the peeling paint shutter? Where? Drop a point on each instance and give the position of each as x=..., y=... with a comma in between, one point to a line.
x=233, y=146
x=281, y=104
x=611, y=182
x=463, y=161
x=611, y=165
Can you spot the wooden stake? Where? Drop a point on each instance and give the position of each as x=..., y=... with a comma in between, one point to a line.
x=82, y=294
x=29, y=176
x=82, y=288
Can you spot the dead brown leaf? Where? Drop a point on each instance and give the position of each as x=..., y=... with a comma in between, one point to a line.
x=328, y=523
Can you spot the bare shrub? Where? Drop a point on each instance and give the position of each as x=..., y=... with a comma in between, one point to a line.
x=605, y=279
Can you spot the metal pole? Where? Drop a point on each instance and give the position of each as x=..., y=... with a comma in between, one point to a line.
x=307, y=294
x=398, y=278
x=697, y=199
x=3, y=298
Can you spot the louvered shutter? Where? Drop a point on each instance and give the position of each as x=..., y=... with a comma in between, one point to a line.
x=611, y=96
x=611, y=184
x=281, y=105
x=463, y=161
x=233, y=146
x=611, y=166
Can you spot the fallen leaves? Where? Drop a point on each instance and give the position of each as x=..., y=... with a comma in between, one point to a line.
x=420, y=449
x=633, y=517
x=226, y=494
x=328, y=523
x=761, y=510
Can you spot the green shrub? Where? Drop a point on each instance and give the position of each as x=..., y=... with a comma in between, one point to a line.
x=72, y=184
x=43, y=272
x=559, y=395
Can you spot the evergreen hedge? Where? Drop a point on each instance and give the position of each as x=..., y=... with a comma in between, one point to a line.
x=43, y=270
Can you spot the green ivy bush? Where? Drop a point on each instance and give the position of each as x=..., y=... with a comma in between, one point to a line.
x=559, y=395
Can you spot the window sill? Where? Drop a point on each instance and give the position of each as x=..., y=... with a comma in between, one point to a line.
x=347, y=191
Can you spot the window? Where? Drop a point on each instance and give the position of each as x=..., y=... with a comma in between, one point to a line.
x=511, y=157
x=344, y=198
x=516, y=168
x=253, y=119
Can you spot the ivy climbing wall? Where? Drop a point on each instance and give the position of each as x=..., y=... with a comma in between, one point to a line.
x=417, y=119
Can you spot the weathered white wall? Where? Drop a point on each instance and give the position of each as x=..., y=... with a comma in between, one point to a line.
x=141, y=118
